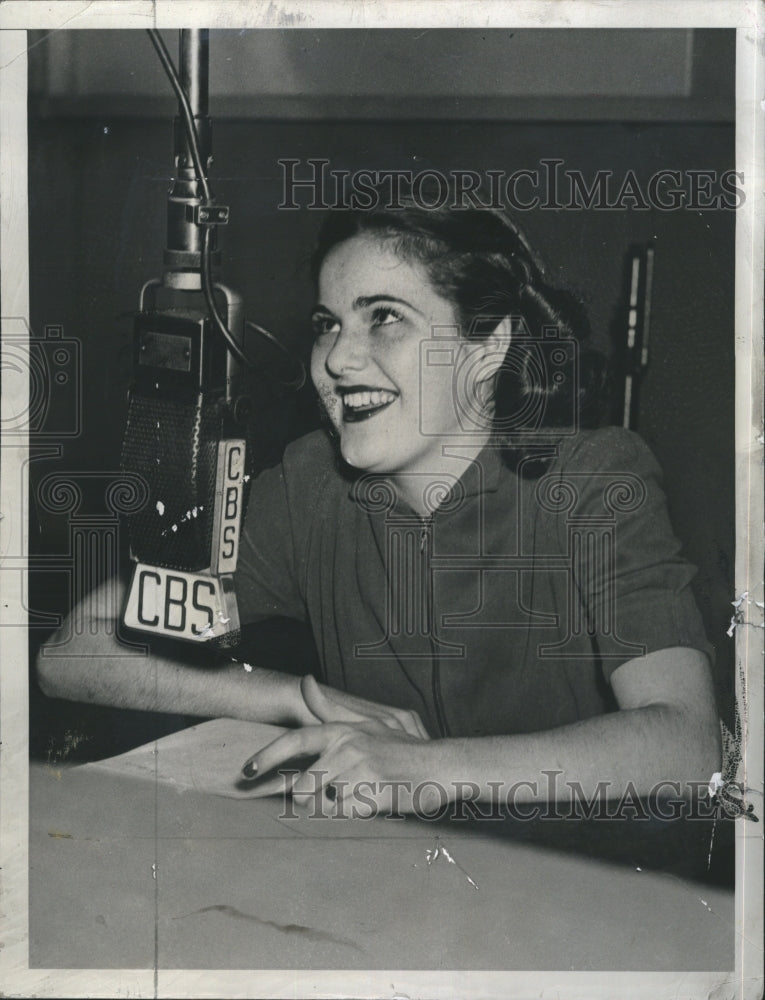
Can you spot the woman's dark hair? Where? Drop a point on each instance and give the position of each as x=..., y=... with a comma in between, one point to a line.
x=478, y=259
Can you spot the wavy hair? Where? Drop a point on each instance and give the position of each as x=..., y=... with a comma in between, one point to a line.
x=480, y=261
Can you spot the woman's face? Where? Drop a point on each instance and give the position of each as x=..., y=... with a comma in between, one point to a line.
x=375, y=317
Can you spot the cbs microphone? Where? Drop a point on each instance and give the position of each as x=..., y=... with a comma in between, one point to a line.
x=190, y=409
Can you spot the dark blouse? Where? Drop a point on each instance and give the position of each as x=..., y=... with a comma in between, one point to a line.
x=504, y=611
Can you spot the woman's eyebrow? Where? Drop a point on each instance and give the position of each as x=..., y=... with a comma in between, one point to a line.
x=363, y=301
x=369, y=300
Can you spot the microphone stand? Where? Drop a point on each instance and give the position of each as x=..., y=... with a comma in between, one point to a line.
x=184, y=434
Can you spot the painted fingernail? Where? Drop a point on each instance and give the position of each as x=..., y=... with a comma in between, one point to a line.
x=250, y=769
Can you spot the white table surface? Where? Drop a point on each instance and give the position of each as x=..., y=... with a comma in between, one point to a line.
x=157, y=859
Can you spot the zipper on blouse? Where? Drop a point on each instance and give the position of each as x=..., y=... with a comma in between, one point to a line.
x=427, y=524
x=435, y=674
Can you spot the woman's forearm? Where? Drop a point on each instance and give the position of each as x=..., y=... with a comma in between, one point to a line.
x=84, y=661
x=626, y=752
x=666, y=730
x=97, y=670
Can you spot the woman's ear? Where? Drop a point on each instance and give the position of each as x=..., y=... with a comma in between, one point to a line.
x=494, y=348
x=486, y=357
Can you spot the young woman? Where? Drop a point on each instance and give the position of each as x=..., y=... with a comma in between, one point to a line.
x=494, y=590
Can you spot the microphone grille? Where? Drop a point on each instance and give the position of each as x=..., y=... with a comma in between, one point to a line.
x=173, y=445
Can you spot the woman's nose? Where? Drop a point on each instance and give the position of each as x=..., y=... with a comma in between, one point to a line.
x=347, y=353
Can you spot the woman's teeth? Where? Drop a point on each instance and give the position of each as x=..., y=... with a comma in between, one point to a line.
x=366, y=402
x=356, y=400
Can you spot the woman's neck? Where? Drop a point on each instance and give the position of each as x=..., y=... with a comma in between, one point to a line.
x=423, y=489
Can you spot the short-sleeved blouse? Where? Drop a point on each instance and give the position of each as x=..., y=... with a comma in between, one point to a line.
x=506, y=610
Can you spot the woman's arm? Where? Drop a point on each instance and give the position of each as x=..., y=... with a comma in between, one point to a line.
x=666, y=730
x=90, y=665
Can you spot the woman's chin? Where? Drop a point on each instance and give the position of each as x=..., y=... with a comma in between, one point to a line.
x=352, y=457
x=365, y=458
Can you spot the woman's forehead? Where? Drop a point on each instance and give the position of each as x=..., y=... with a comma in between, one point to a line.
x=366, y=266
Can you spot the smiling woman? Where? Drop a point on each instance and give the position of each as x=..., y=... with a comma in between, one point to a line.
x=366, y=361
x=492, y=582
x=468, y=550
x=457, y=328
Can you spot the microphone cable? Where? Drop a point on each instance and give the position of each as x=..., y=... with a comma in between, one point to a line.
x=206, y=257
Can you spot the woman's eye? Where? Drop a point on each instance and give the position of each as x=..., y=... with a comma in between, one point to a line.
x=323, y=325
x=385, y=316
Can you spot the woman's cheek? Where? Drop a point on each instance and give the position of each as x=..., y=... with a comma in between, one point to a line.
x=329, y=402
x=318, y=357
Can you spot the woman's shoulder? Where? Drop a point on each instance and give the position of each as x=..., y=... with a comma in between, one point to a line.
x=314, y=448
x=606, y=448
x=603, y=472
x=309, y=463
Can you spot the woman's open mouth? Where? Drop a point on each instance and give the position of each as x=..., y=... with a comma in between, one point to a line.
x=361, y=404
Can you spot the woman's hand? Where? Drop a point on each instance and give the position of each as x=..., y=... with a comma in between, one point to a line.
x=327, y=704
x=366, y=766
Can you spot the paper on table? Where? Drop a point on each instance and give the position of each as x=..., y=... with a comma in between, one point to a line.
x=205, y=758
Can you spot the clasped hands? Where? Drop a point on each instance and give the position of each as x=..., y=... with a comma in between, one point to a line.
x=365, y=753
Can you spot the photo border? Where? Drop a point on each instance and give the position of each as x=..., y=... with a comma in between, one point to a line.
x=746, y=980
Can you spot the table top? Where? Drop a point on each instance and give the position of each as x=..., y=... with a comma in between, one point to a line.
x=158, y=859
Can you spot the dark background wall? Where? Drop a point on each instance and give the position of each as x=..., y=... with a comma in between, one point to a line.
x=100, y=166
